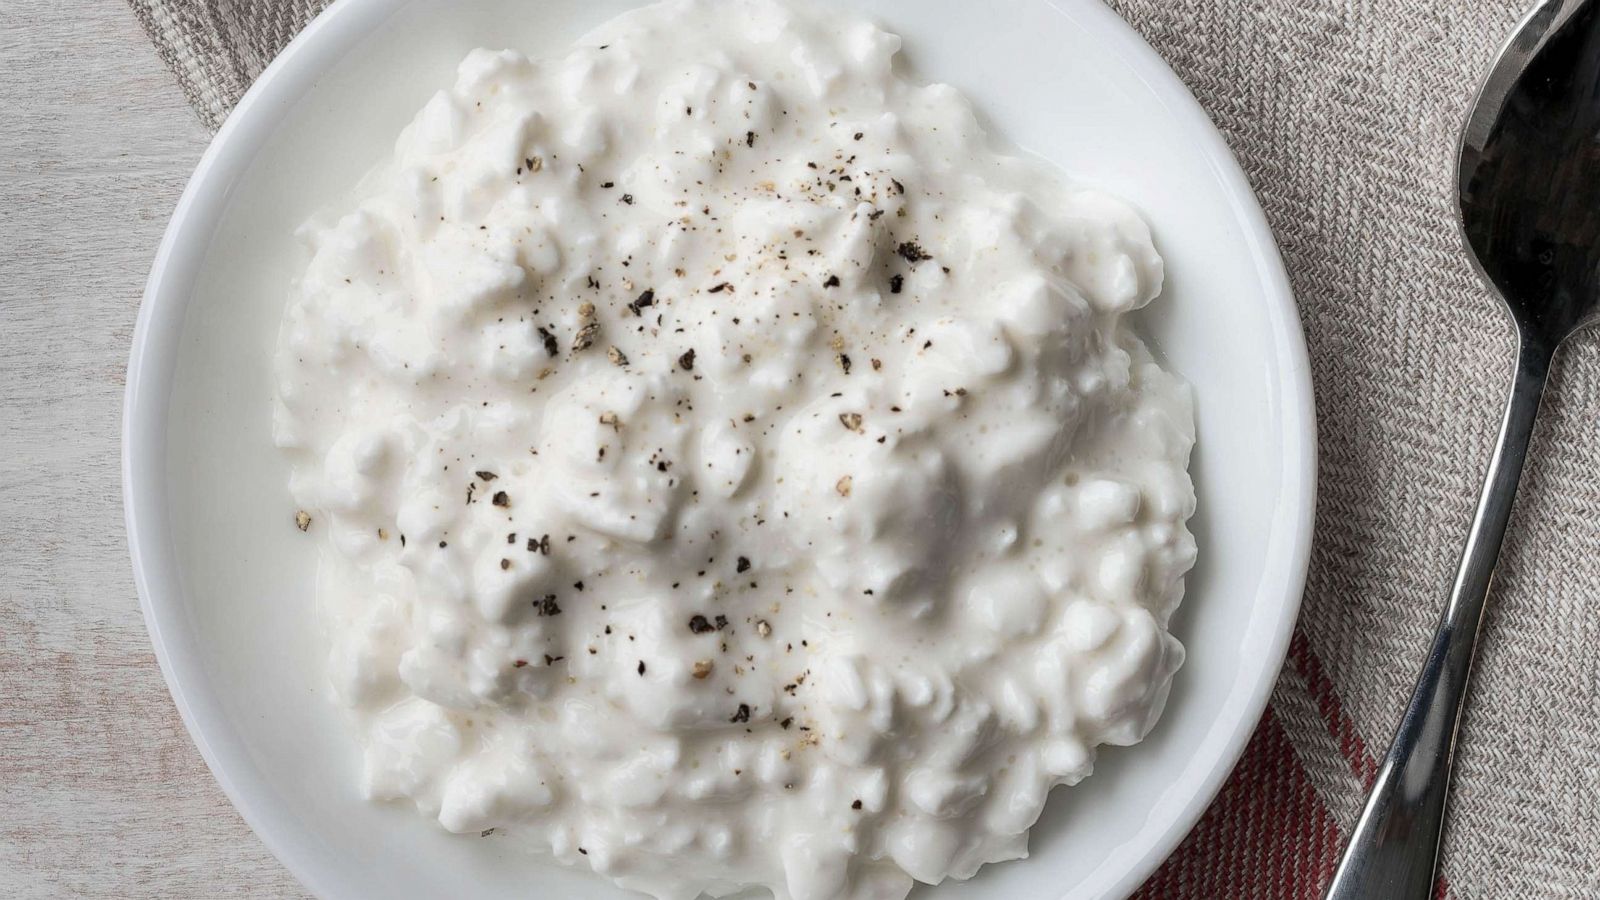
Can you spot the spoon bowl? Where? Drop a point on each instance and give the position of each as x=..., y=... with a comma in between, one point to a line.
x=1528, y=186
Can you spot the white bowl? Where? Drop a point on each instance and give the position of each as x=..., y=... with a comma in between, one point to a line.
x=226, y=583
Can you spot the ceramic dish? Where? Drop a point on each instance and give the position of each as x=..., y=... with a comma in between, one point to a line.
x=226, y=581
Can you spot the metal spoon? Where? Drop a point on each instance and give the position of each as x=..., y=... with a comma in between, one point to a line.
x=1529, y=182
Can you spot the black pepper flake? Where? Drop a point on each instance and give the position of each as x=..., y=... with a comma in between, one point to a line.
x=501, y=498
x=912, y=252
x=687, y=361
x=616, y=356
x=844, y=362
x=628, y=199
x=607, y=184
x=721, y=622
x=505, y=564
x=856, y=805
x=700, y=624
x=851, y=421
x=641, y=668
x=743, y=565
x=787, y=722
x=860, y=135
x=648, y=298
x=749, y=138
x=742, y=714
x=551, y=345
x=898, y=187
x=833, y=281
x=585, y=337
x=547, y=606
x=896, y=283
x=485, y=476
x=718, y=288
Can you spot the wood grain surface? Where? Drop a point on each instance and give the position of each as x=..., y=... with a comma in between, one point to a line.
x=101, y=792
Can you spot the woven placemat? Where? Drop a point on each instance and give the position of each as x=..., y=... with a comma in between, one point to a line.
x=1345, y=117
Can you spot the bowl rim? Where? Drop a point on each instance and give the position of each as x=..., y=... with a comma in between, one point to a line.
x=184, y=246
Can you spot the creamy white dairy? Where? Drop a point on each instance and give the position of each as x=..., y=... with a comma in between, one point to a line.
x=734, y=470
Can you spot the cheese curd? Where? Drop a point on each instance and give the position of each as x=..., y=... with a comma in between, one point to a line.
x=734, y=471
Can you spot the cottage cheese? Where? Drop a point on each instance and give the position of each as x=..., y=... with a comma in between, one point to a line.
x=734, y=471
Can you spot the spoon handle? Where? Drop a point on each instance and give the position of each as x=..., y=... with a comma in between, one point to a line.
x=1394, y=848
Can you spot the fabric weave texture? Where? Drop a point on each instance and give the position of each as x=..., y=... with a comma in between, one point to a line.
x=1344, y=114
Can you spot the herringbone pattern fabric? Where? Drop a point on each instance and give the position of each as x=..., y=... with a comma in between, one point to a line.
x=1344, y=113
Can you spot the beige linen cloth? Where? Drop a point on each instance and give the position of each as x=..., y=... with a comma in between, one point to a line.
x=1345, y=116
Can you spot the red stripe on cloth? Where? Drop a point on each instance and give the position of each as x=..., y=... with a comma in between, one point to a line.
x=1339, y=725
x=1267, y=835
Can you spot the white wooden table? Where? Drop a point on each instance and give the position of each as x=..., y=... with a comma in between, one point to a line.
x=101, y=792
